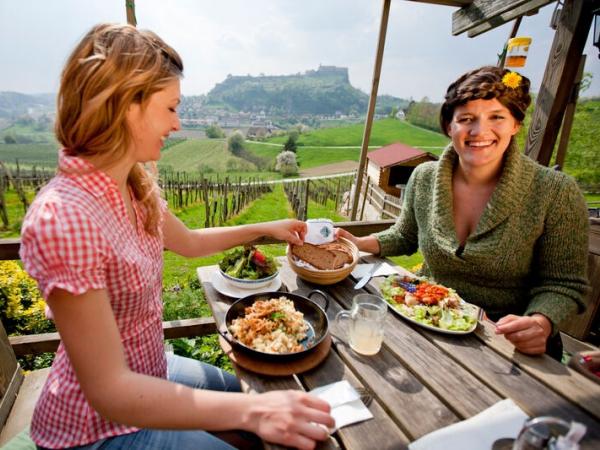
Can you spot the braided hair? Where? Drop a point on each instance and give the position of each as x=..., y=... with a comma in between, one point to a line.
x=485, y=83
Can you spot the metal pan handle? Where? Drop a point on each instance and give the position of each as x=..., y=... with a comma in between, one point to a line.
x=322, y=294
x=225, y=335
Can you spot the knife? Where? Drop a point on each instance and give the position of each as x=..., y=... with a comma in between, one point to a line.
x=365, y=279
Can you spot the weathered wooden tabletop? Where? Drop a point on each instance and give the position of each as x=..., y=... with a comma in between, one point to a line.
x=422, y=380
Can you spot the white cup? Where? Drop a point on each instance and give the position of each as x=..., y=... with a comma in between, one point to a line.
x=367, y=319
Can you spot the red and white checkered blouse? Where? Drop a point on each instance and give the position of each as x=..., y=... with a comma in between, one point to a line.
x=77, y=236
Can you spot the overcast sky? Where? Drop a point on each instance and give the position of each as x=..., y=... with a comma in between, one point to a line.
x=274, y=37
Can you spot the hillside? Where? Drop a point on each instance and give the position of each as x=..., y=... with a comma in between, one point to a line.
x=384, y=131
x=326, y=90
x=14, y=104
x=331, y=145
x=206, y=156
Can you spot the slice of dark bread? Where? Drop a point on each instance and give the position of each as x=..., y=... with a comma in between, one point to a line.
x=342, y=253
x=325, y=256
x=314, y=255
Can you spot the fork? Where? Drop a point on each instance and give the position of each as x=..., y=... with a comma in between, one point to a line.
x=365, y=395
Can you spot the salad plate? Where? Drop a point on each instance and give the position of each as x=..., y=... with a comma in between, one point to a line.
x=429, y=305
x=225, y=288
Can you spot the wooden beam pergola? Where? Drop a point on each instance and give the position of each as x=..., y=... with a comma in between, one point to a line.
x=559, y=78
x=130, y=11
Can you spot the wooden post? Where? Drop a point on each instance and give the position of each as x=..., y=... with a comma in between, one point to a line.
x=569, y=41
x=512, y=34
x=362, y=210
x=565, y=131
x=305, y=209
x=130, y=9
x=372, y=101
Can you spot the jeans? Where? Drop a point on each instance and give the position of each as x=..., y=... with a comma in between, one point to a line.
x=191, y=373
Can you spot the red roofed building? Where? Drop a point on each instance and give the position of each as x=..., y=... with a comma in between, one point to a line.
x=392, y=165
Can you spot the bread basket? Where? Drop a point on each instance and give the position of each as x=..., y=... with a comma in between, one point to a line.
x=325, y=277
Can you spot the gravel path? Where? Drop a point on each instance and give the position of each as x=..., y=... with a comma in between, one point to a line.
x=330, y=169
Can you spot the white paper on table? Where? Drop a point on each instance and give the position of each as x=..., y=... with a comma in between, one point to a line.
x=362, y=269
x=502, y=420
x=345, y=402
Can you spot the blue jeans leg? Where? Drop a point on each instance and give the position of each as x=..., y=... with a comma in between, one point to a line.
x=199, y=375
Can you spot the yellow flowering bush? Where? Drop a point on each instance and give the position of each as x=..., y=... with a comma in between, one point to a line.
x=21, y=304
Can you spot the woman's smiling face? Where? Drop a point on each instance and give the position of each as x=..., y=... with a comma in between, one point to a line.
x=481, y=131
x=151, y=126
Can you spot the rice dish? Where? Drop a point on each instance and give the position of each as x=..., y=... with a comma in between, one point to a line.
x=271, y=326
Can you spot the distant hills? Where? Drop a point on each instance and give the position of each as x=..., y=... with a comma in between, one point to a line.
x=14, y=104
x=326, y=90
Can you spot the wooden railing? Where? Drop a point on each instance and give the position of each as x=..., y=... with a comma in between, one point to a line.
x=580, y=327
x=48, y=342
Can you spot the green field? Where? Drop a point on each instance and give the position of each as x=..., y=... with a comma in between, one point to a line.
x=318, y=147
x=383, y=132
x=211, y=158
x=37, y=135
x=41, y=155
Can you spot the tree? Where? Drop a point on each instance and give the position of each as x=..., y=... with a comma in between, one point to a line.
x=290, y=145
x=236, y=143
x=286, y=163
x=9, y=139
x=214, y=132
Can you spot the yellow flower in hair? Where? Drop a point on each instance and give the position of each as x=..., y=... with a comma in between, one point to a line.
x=512, y=80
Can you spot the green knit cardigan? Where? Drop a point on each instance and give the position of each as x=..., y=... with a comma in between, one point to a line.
x=528, y=253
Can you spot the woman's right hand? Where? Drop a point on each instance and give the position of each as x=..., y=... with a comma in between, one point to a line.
x=291, y=418
x=340, y=232
x=366, y=243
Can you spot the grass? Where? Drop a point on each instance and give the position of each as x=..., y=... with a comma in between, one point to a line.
x=29, y=131
x=309, y=157
x=318, y=211
x=199, y=155
x=271, y=206
x=408, y=262
x=383, y=132
x=592, y=197
x=15, y=211
x=321, y=143
x=211, y=158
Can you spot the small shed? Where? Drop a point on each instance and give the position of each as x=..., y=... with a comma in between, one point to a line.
x=391, y=166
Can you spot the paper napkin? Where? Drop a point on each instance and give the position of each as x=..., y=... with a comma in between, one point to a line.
x=345, y=402
x=502, y=420
x=362, y=269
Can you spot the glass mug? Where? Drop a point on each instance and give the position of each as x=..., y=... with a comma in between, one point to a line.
x=367, y=319
x=539, y=433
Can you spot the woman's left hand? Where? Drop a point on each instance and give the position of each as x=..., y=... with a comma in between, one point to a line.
x=528, y=334
x=290, y=230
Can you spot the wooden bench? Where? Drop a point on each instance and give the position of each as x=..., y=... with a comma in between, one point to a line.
x=19, y=392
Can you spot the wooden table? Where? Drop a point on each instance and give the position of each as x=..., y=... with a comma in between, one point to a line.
x=421, y=380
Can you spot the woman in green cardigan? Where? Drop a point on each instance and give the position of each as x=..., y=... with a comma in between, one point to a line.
x=507, y=233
